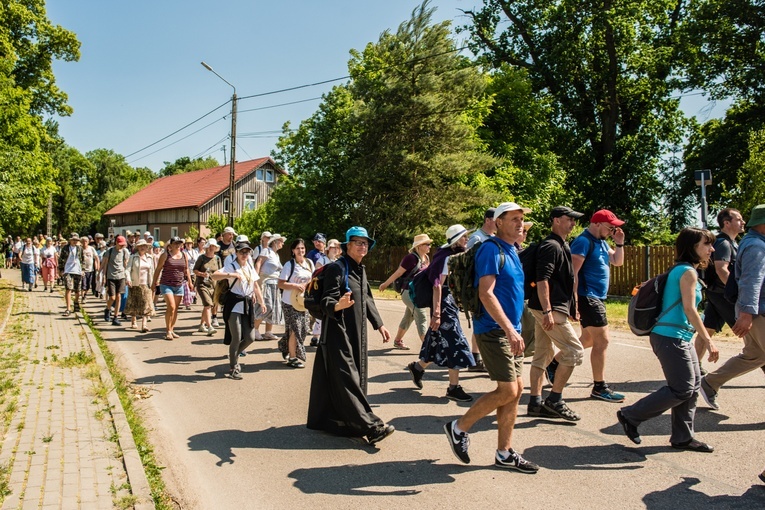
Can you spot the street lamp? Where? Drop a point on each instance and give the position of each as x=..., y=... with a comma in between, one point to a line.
x=703, y=177
x=231, y=200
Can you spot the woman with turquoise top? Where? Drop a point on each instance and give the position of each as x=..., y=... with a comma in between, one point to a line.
x=672, y=342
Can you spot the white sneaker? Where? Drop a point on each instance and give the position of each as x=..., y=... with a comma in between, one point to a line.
x=211, y=332
x=269, y=336
x=202, y=328
x=214, y=323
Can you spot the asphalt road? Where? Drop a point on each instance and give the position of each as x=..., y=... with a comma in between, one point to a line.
x=243, y=444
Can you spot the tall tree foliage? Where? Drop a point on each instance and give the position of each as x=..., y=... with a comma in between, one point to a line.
x=186, y=164
x=407, y=157
x=28, y=45
x=608, y=70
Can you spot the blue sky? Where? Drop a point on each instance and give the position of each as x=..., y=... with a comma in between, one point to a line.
x=139, y=77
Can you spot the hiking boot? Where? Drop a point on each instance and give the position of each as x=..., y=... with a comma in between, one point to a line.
x=562, y=410
x=515, y=461
x=478, y=367
x=550, y=372
x=380, y=433
x=607, y=394
x=709, y=395
x=416, y=374
x=540, y=411
x=236, y=373
x=458, y=394
x=629, y=429
x=295, y=363
x=107, y=315
x=459, y=442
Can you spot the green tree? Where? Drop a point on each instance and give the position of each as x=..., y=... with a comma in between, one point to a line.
x=607, y=69
x=407, y=157
x=750, y=190
x=28, y=45
x=216, y=223
x=186, y=164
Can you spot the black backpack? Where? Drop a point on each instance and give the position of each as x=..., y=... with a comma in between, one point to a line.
x=528, y=258
x=644, y=311
x=421, y=290
x=462, y=278
x=315, y=290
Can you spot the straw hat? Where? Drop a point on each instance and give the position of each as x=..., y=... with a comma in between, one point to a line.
x=420, y=239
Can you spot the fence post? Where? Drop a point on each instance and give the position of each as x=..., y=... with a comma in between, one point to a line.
x=647, y=263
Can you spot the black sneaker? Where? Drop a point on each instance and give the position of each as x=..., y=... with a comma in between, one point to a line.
x=458, y=394
x=550, y=372
x=459, y=442
x=562, y=410
x=116, y=322
x=107, y=315
x=515, y=461
x=416, y=374
x=708, y=394
x=236, y=373
x=478, y=367
x=314, y=341
x=540, y=411
x=76, y=307
x=380, y=433
x=629, y=429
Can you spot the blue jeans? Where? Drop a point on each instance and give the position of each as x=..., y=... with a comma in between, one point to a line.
x=681, y=370
x=171, y=289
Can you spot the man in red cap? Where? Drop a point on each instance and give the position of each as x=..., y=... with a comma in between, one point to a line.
x=592, y=257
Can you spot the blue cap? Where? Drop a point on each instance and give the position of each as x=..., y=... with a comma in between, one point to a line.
x=358, y=232
x=155, y=244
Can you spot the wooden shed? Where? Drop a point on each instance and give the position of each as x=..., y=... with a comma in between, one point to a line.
x=174, y=204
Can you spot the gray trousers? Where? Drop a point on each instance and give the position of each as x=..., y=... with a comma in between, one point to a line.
x=242, y=335
x=681, y=370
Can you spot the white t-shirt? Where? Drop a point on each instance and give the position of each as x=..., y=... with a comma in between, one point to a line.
x=72, y=265
x=301, y=274
x=29, y=254
x=243, y=286
x=271, y=266
x=88, y=255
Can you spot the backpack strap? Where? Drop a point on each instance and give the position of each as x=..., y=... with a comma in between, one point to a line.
x=670, y=307
x=501, y=253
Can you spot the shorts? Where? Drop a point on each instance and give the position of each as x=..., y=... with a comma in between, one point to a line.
x=562, y=335
x=87, y=280
x=499, y=360
x=171, y=289
x=115, y=287
x=72, y=281
x=592, y=312
x=718, y=312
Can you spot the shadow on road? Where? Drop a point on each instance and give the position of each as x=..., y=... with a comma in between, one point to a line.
x=683, y=492
x=222, y=443
x=591, y=458
x=379, y=479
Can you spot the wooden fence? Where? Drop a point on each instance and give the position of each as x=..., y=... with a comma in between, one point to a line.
x=640, y=264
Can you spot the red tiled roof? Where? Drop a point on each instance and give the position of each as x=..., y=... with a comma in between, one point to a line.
x=192, y=189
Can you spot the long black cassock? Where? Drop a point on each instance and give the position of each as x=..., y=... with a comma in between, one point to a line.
x=338, y=402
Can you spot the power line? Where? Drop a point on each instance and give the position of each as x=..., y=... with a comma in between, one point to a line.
x=177, y=131
x=176, y=141
x=279, y=105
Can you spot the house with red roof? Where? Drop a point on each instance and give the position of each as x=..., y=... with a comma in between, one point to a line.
x=172, y=205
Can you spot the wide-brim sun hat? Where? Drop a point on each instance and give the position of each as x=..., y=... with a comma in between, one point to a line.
x=141, y=242
x=297, y=300
x=229, y=230
x=277, y=237
x=454, y=234
x=420, y=239
x=334, y=243
x=213, y=243
x=358, y=232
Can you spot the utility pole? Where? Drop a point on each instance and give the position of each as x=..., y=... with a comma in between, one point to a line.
x=232, y=177
x=223, y=148
x=703, y=178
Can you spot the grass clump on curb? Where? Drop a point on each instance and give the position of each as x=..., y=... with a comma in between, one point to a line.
x=159, y=493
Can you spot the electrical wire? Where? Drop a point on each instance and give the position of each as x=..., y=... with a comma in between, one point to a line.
x=178, y=140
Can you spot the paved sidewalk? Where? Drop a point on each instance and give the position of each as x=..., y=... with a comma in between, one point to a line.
x=61, y=446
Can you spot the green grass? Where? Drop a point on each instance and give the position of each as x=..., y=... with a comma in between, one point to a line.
x=159, y=493
x=77, y=359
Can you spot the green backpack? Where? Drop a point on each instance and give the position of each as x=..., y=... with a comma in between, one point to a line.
x=462, y=277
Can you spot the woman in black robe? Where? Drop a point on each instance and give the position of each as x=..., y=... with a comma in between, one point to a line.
x=338, y=402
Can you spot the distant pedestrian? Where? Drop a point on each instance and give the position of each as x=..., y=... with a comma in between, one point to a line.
x=70, y=266
x=174, y=270
x=91, y=264
x=270, y=267
x=113, y=269
x=207, y=264
x=338, y=399
x=672, y=342
x=30, y=260
x=139, y=273
x=49, y=264
x=413, y=262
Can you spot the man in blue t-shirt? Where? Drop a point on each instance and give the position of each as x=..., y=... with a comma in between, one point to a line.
x=592, y=257
x=499, y=278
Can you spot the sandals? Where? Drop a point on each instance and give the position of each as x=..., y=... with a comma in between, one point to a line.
x=399, y=344
x=175, y=335
x=169, y=336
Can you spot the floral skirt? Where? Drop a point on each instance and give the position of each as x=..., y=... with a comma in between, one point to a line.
x=140, y=302
x=297, y=323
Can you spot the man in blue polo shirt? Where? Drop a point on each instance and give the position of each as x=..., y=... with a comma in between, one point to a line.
x=499, y=278
x=592, y=257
